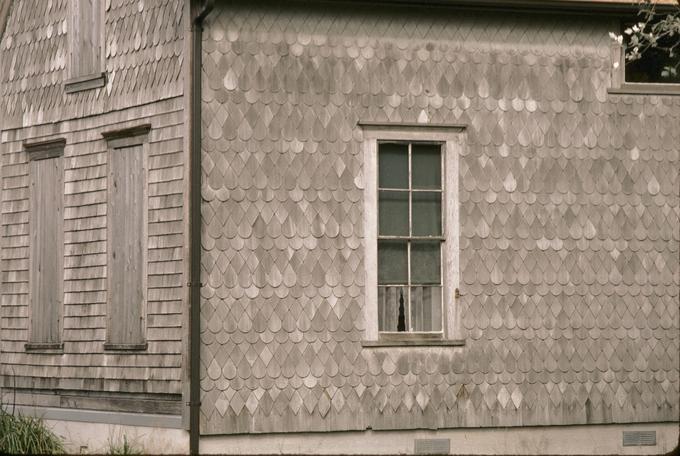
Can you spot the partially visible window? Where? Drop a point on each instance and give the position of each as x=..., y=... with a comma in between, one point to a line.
x=86, y=45
x=409, y=237
x=46, y=255
x=654, y=51
x=653, y=64
x=126, y=221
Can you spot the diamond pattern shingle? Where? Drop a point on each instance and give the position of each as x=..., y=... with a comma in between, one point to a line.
x=569, y=213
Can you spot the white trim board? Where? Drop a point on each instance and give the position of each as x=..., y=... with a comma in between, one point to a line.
x=577, y=439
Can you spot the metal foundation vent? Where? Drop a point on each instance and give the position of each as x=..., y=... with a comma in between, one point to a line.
x=432, y=446
x=639, y=438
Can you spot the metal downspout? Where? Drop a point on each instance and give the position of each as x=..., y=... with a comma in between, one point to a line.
x=199, y=10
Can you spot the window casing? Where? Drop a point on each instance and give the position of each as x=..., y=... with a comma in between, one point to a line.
x=448, y=141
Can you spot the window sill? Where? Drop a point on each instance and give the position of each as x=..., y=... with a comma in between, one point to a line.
x=81, y=83
x=125, y=347
x=44, y=347
x=412, y=340
x=642, y=88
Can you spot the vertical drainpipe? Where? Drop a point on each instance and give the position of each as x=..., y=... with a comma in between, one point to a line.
x=199, y=10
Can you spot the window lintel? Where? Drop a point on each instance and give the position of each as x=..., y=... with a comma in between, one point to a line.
x=40, y=150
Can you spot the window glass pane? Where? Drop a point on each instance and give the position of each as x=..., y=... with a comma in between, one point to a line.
x=426, y=308
x=392, y=262
x=392, y=308
x=393, y=213
x=426, y=166
x=652, y=63
x=427, y=213
x=426, y=262
x=392, y=165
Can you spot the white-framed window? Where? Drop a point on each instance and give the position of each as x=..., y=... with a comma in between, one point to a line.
x=411, y=230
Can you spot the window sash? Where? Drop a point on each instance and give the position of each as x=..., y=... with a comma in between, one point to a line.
x=410, y=238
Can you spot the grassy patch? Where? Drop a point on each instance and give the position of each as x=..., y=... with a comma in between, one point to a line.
x=26, y=435
x=123, y=448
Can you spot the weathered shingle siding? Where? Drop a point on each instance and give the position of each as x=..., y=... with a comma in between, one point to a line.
x=84, y=364
x=569, y=214
x=143, y=59
x=142, y=50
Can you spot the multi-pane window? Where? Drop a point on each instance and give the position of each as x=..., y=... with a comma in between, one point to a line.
x=410, y=237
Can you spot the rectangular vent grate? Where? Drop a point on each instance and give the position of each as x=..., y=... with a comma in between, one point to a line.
x=639, y=438
x=432, y=446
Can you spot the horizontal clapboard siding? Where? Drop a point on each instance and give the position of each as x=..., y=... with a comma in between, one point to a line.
x=84, y=364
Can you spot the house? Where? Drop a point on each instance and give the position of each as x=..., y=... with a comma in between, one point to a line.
x=94, y=234
x=339, y=227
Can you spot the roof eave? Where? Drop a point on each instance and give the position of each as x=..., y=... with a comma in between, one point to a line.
x=572, y=6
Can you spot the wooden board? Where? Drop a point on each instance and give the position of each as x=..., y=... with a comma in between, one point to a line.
x=47, y=246
x=126, y=244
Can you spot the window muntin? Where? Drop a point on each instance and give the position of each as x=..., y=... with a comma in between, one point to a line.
x=410, y=227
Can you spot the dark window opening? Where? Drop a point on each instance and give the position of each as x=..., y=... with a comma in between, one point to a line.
x=655, y=64
x=410, y=237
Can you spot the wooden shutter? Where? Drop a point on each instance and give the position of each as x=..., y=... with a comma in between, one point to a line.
x=126, y=209
x=46, y=248
x=86, y=37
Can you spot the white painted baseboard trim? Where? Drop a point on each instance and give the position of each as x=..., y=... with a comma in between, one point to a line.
x=544, y=440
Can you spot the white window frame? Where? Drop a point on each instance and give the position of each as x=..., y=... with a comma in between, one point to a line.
x=452, y=137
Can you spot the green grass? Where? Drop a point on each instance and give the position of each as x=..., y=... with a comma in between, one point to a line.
x=26, y=435
x=123, y=448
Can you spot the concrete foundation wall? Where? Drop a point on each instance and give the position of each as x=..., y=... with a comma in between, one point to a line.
x=602, y=439
x=102, y=438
